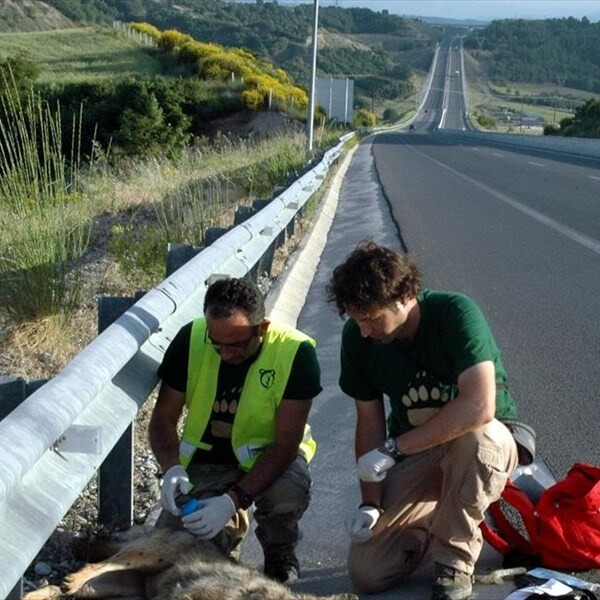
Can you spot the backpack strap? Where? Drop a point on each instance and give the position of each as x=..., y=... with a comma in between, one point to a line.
x=508, y=537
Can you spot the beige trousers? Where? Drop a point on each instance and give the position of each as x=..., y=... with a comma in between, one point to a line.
x=433, y=503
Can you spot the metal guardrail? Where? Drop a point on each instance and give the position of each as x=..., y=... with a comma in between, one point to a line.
x=46, y=457
x=581, y=147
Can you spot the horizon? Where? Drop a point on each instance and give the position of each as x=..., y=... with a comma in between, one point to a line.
x=479, y=10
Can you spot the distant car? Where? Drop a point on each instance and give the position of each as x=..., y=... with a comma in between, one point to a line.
x=411, y=126
x=457, y=72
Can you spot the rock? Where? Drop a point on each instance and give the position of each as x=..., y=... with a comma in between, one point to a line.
x=42, y=569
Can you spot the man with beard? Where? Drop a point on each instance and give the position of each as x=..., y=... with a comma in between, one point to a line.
x=429, y=472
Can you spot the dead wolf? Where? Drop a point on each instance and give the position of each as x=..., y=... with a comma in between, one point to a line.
x=162, y=564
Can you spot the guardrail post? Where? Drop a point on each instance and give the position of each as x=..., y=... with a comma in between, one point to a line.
x=212, y=234
x=179, y=254
x=13, y=390
x=115, y=475
x=17, y=592
x=260, y=203
x=243, y=213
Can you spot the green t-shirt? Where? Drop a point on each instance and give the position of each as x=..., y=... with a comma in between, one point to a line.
x=421, y=377
x=304, y=383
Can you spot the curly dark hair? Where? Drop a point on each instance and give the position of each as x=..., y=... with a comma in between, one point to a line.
x=372, y=277
x=227, y=296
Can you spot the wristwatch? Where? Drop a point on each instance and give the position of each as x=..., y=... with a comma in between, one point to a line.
x=245, y=500
x=390, y=447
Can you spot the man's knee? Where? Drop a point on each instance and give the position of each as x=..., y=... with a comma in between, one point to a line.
x=363, y=571
x=290, y=493
x=490, y=444
x=377, y=567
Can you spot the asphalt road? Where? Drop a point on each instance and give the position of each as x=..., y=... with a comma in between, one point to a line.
x=520, y=234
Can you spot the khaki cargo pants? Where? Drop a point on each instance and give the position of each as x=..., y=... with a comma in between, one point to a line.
x=433, y=503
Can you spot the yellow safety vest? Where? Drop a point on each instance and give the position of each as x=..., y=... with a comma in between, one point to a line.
x=264, y=386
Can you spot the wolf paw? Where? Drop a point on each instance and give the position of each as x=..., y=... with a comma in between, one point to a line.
x=48, y=592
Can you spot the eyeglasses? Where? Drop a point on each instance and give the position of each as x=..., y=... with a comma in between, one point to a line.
x=231, y=345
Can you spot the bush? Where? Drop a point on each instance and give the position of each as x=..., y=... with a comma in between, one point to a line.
x=364, y=118
x=391, y=115
x=18, y=72
x=486, y=122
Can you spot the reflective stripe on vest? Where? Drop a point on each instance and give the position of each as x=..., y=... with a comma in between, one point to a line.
x=254, y=422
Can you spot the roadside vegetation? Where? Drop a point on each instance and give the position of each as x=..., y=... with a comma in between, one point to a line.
x=378, y=50
x=535, y=76
x=97, y=177
x=125, y=134
x=86, y=55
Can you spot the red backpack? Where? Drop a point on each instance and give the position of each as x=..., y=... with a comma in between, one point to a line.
x=563, y=527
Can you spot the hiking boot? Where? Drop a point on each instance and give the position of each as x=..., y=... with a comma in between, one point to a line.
x=451, y=584
x=282, y=568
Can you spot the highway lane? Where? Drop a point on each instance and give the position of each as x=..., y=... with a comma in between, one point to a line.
x=521, y=234
x=363, y=212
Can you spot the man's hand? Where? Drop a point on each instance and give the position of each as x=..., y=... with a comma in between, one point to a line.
x=212, y=515
x=359, y=525
x=175, y=482
x=373, y=465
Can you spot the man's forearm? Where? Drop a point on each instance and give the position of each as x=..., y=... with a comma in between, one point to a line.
x=165, y=444
x=268, y=467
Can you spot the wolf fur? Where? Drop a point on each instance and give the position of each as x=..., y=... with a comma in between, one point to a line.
x=162, y=564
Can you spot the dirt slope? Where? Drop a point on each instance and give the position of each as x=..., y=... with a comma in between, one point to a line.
x=30, y=15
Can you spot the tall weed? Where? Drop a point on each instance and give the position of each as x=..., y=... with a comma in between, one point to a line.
x=197, y=190
x=43, y=220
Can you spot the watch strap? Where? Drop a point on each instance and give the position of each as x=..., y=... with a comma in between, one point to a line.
x=391, y=447
x=245, y=500
x=371, y=505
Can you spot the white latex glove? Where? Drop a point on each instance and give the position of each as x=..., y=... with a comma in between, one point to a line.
x=212, y=515
x=359, y=524
x=175, y=482
x=373, y=465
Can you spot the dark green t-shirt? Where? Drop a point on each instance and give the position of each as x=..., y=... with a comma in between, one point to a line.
x=304, y=383
x=420, y=378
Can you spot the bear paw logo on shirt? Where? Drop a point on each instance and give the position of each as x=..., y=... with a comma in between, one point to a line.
x=267, y=377
x=424, y=398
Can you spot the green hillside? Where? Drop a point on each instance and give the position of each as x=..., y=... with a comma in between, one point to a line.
x=378, y=50
x=563, y=52
x=30, y=15
x=85, y=54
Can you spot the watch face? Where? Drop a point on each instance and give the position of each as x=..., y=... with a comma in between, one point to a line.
x=390, y=446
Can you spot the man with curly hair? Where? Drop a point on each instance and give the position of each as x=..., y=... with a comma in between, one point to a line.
x=428, y=474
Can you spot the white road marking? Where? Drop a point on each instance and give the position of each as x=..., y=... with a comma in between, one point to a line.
x=594, y=177
x=581, y=238
x=529, y=162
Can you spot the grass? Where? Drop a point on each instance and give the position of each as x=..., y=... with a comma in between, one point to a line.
x=84, y=55
x=176, y=200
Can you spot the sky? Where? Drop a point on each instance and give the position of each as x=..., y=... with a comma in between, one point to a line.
x=480, y=9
